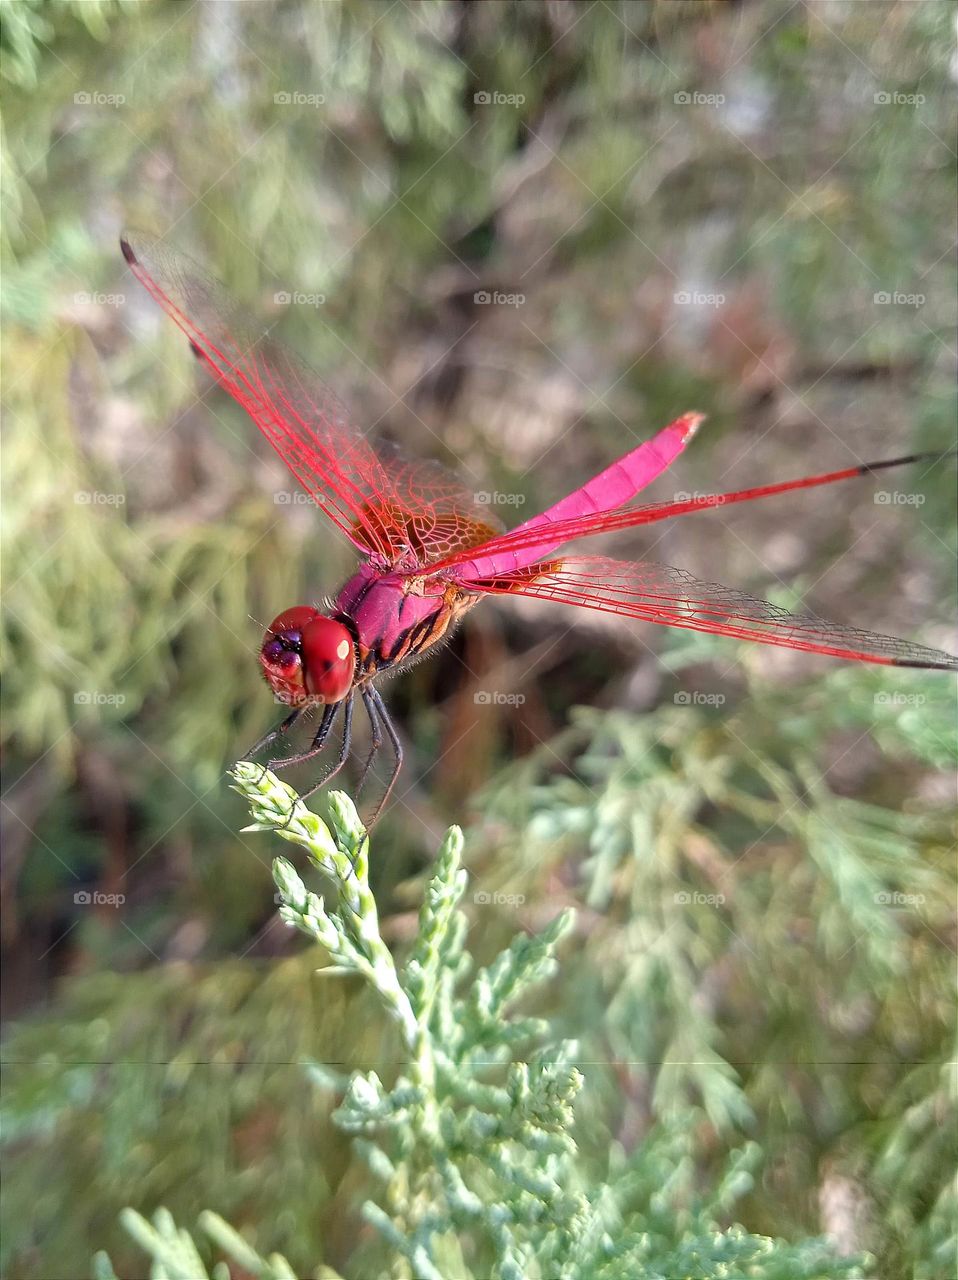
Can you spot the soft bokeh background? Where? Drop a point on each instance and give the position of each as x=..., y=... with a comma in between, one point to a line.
x=746, y=209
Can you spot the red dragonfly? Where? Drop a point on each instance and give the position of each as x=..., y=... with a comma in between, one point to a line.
x=430, y=553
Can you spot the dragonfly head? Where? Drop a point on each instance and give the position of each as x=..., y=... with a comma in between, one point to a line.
x=307, y=657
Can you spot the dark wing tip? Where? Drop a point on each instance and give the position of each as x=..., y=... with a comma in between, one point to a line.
x=947, y=663
x=127, y=250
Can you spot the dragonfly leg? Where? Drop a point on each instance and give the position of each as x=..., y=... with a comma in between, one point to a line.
x=273, y=734
x=377, y=741
x=317, y=744
x=343, y=750
x=377, y=734
x=375, y=698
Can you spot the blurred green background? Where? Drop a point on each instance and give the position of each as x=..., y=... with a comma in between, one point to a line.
x=746, y=209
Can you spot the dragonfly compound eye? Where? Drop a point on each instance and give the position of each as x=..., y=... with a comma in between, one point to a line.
x=329, y=659
x=307, y=657
x=281, y=656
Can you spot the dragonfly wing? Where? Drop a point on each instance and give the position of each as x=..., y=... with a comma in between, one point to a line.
x=529, y=542
x=404, y=512
x=584, y=508
x=673, y=598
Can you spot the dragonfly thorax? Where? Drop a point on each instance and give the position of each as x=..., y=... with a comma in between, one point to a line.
x=307, y=657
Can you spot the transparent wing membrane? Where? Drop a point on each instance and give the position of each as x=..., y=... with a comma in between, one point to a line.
x=673, y=598
x=408, y=513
